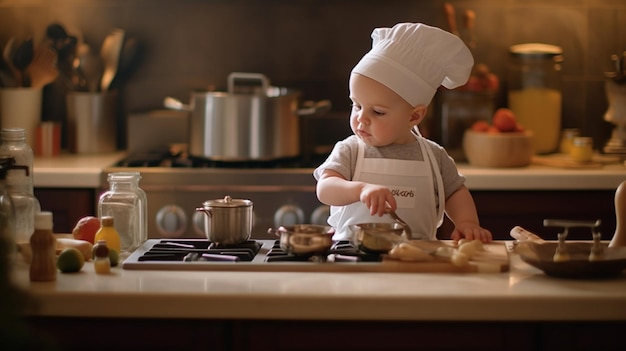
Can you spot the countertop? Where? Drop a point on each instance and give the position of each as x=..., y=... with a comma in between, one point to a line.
x=85, y=171
x=523, y=294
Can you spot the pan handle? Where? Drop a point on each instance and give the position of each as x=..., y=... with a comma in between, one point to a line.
x=235, y=78
x=313, y=108
x=175, y=104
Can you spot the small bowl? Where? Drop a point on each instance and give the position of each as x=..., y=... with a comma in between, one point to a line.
x=498, y=150
x=377, y=237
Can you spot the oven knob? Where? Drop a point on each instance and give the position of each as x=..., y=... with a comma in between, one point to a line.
x=171, y=221
x=197, y=223
x=320, y=215
x=288, y=215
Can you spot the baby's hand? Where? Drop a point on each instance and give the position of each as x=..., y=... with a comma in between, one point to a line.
x=471, y=231
x=377, y=198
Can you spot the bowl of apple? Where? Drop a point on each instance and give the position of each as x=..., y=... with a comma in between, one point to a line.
x=503, y=143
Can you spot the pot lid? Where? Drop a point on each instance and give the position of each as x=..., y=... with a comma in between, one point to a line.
x=227, y=201
x=536, y=49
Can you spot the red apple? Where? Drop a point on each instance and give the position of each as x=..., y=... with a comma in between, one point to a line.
x=504, y=120
x=86, y=228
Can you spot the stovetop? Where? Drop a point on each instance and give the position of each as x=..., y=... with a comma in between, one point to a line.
x=254, y=255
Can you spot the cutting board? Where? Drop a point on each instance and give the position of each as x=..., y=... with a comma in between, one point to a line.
x=565, y=161
x=494, y=258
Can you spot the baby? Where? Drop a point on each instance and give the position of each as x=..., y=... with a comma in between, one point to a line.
x=387, y=165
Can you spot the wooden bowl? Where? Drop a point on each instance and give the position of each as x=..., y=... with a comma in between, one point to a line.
x=498, y=149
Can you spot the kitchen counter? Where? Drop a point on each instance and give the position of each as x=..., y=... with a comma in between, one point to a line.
x=71, y=170
x=523, y=294
x=85, y=171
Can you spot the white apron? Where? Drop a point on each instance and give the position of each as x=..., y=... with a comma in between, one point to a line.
x=411, y=183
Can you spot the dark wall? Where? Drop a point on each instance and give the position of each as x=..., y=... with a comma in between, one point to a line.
x=312, y=45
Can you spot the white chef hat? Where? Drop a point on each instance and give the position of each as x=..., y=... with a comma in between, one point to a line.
x=414, y=59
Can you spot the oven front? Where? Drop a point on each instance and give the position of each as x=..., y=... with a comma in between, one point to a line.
x=279, y=196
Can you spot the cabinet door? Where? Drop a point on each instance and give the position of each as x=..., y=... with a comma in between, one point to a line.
x=67, y=205
x=500, y=211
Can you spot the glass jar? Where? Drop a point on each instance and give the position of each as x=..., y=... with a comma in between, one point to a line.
x=127, y=204
x=534, y=92
x=7, y=216
x=567, y=139
x=582, y=149
x=14, y=144
x=26, y=205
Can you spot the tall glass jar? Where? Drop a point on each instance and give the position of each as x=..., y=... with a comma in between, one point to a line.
x=26, y=205
x=535, y=92
x=14, y=144
x=7, y=217
x=126, y=202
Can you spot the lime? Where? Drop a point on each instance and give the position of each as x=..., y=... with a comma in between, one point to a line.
x=70, y=260
x=114, y=257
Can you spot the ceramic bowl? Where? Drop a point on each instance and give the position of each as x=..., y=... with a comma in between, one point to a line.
x=498, y=150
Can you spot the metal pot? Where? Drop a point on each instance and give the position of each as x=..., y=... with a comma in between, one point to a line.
x=304, y=239
x=248, y=122
x=228, y=221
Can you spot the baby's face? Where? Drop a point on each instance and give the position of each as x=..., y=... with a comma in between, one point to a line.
x=379, y=116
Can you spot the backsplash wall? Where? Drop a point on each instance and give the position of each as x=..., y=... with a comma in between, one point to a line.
x=312, y=45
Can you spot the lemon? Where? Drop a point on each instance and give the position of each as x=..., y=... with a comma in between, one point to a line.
x=70, y=260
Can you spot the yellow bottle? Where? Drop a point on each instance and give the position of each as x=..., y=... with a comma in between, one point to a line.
x=108, y=233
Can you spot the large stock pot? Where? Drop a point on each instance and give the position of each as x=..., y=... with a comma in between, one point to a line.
x=251, y=121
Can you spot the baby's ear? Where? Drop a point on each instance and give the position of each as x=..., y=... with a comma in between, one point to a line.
x=418, y=114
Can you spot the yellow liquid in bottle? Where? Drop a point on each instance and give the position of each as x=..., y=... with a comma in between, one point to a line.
x=539, y=110
x=108, y=233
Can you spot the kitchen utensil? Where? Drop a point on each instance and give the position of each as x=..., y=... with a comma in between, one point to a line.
x=7, y=54
x=498, y=149
x=449, y=12
x=252, y=121
x=407, y=229
x=469, y=20
x=110, y=54
x=88, y=69
x=228, y=221
x=377, y=237
x=305, y=239
x=619, y=237
x=42, y=70
x=22, y=57
x=130, y=56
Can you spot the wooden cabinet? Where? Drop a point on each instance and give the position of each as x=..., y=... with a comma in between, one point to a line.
x=67, y=205
x=499, y=211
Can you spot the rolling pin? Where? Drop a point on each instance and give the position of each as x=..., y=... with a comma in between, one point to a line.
x=619, y=238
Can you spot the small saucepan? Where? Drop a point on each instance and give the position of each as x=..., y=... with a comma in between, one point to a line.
x=304, y=239
x=228, y=221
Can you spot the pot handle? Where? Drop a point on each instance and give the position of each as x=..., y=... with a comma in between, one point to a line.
x=311, y=108
x=175, y=104
x=236, y=77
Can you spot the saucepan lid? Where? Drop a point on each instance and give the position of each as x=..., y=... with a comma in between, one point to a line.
x=227, y=202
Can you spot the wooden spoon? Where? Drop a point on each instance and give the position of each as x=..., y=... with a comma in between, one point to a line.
x=42, y=69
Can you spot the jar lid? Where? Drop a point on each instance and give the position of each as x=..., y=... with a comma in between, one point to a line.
x=536, y=49
x=227, y=201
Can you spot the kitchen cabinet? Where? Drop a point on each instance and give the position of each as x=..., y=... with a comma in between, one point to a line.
x=68, y=205
x=287, y=335
x=501, y=210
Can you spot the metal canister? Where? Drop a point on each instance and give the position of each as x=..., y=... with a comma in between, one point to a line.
x=535, y=92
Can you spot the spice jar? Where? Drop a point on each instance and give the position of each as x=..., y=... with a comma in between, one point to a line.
x=535, y=92
x=567, y=139
x=582, y=149
x=43, y=266
x=102, y=262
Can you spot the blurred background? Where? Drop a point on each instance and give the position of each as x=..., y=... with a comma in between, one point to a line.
x=312, y=45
